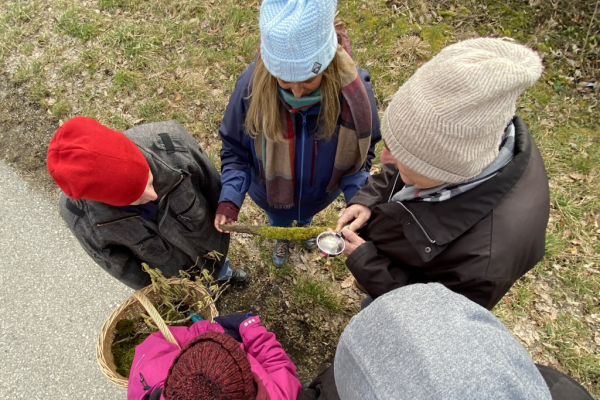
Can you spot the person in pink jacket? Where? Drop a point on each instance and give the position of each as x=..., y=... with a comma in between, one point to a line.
x=233, y=358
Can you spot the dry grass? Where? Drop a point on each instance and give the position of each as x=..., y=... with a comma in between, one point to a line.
x=126, y=62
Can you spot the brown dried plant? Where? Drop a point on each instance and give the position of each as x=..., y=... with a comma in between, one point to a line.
x=178, y=302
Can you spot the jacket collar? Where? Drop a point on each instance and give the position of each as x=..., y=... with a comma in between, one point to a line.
x=443, y=222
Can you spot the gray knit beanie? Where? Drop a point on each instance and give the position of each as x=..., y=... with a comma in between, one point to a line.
x=297, y=37
x=447, y=120
x=424, y=341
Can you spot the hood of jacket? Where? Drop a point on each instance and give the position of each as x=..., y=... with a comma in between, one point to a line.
x=424, y=341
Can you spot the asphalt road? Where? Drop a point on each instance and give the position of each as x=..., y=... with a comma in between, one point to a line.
x=53, y=301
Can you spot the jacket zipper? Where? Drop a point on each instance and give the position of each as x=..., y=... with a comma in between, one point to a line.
x=302, y=163
x=418, y=223
x=410, y=212
x=314, y=154
x=171, y=189
x=143, y=382
x=182, y=217
x=117, y=220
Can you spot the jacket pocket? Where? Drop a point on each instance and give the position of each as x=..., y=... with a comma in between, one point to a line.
x=189, y=208
x=152, y=249
x=194, y=216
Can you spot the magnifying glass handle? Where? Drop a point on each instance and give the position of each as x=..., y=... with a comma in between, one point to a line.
x=341, y=232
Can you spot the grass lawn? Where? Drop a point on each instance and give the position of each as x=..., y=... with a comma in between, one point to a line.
x=126, y=62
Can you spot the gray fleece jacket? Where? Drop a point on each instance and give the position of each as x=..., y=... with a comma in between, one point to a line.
x=424, y=341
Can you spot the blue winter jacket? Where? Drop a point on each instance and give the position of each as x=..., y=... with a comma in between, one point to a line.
x=240, y=169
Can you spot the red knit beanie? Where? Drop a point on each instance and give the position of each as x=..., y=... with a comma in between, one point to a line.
x=90, y=161
x=211, y=367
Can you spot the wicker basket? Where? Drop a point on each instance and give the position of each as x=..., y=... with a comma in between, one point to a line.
x=141, y=301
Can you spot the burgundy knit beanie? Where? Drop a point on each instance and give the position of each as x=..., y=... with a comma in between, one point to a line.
x=212, y=366
x=90, y=161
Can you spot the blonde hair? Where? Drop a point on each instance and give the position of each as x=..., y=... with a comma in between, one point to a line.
x=263, y=114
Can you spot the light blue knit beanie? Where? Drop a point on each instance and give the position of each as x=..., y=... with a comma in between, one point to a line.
x=298, y=39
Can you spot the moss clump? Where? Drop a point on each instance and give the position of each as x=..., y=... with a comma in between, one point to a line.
x=447, y=14
x=124, y=327
x=437, y=36
x=124, y=344
x=271, y=232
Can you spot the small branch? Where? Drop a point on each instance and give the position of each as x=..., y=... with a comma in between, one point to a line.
x=587, y=35
x=252, y=230
x=127, y=338
x=412, y=18
x=180, y=321
x=219, y=293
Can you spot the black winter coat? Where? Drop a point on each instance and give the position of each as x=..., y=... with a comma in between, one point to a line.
x=477, y=243
x=562, y=387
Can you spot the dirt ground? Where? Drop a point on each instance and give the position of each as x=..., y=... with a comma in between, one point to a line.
x=25, y=131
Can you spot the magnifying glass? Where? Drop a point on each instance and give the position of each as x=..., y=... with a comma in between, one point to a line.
x=331, y=244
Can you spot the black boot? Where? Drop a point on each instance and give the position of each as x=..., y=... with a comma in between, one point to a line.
x=238, y=277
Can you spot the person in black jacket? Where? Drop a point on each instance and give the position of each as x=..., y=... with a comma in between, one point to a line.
x=423, y=342
x=463, y=197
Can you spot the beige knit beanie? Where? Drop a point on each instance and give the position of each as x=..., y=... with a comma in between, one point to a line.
x=447, y=120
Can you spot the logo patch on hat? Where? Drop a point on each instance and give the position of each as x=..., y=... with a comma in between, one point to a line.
x=316, y=68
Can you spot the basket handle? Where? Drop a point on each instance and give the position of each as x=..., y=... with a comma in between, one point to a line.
x=160, y=323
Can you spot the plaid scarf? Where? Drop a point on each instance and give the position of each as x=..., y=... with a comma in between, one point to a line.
x=276, y=159
x=449, y=190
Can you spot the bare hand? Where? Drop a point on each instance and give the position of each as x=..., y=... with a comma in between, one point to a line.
x=357, y=213
x=221, y=219
x=352, y=241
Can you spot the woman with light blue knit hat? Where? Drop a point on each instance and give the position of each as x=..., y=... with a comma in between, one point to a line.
x=301, y=125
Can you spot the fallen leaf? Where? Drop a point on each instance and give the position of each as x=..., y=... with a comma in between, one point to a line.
x=302, y=267
x=349, y=281
x=178, y=97
x=546, y=297
x=577, y=177
x=241, y=59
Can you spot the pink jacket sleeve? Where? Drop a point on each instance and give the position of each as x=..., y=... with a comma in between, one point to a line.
x=280, y=380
